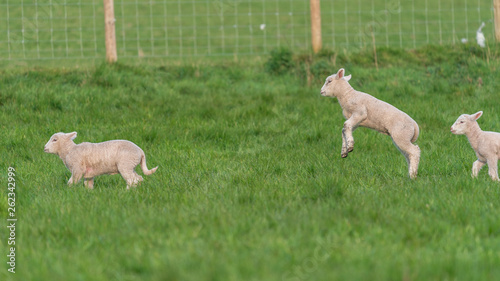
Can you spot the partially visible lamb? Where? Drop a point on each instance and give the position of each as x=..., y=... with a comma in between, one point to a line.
x=485, y=144
x=88, y=160
x=361, y=109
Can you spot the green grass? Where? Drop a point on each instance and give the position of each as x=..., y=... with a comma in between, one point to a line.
x=251, y=185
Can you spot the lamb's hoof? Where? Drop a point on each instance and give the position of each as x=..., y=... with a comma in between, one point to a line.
x=344, y=155
x=350, y=149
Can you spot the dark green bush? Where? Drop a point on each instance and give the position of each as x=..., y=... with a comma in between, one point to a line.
x=280, y=61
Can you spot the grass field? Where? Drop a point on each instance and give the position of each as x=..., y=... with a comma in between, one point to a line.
x=250, y=184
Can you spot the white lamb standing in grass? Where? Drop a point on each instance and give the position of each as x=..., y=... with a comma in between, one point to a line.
x=361, y=109
x=88, y=160
x=485, y=144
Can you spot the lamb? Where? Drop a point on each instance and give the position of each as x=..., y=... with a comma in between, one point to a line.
x=88, y=160
x=485, y=144
x=361, y=109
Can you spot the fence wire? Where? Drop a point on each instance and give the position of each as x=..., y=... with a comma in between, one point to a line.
x=69, y=29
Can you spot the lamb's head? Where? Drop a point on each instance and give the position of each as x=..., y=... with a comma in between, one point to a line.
x=59, y=142
x=464, y=123
x=335, y=83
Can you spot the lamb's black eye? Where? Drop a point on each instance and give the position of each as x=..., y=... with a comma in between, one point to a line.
x=54, y=140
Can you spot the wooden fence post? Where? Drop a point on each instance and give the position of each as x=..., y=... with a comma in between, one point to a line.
x=109, y=31
x=315, y=25
x=496, y=8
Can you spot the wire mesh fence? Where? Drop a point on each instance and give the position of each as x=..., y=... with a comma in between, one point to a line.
x=68, y=29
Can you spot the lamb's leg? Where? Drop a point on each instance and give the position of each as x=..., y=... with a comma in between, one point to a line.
x=476, y=167
x=132, y=179
x=89, y=183
x=414, y=160
x=411, y=153
x=349, y=126
x=76, y=176
x=344, y=151
x=493, y=168
x=347, y=139
x=138, y=179
x=129, y=175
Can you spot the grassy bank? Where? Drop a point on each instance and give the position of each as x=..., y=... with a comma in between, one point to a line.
x=250, y=184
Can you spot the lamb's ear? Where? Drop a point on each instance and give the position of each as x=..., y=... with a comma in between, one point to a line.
x=347, y=78
x=476, y=115
x=340, y=73
x=72, y=135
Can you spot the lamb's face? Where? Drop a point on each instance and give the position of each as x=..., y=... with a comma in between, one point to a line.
x=330, y=86
x=57, y=141
x=53, y=144
x=460, y=126
x=463, y=123
x=327, y=89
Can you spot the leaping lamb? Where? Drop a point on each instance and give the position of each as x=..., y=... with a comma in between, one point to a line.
x=88, y=160
x=361, y=109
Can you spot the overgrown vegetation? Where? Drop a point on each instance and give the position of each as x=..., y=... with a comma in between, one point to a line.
x=313, y=68
x=250, y=184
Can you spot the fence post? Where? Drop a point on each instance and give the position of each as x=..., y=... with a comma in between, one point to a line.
x=109, y=31
x=496, y=8
x=315, y=25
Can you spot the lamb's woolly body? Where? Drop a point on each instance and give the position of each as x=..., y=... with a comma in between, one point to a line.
x=485, y=144
x=361, y=109
x=380, y=115
x=88, y=160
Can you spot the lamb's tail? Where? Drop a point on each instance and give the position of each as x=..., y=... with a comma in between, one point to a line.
x=145, y=168
x=416, y=133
